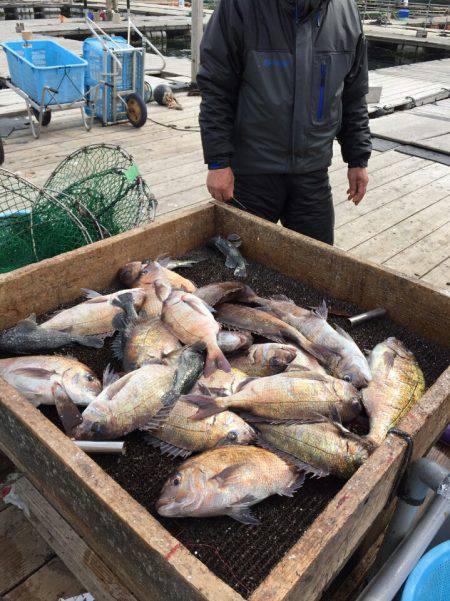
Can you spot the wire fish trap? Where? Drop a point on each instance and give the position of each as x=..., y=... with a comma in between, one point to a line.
x=102, y=186
x=33, y=224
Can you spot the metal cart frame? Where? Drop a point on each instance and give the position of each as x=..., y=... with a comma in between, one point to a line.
x=119, y=97
x=44, y=108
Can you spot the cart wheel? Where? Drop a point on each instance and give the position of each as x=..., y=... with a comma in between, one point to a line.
x=136, y=110
x=45, y=119
x=148, y=93
x=2, y=152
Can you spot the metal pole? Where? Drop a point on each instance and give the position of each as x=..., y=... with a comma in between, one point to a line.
x=196, y=36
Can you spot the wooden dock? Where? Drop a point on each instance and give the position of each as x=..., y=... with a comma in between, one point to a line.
x=401, y=222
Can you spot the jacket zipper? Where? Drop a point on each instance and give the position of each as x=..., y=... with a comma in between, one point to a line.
x=296, y=16
x=323, y=79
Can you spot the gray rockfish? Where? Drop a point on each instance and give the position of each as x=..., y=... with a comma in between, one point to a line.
x=27, y=337
x=229, y=248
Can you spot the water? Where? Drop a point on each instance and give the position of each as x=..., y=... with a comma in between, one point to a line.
x=380, y=55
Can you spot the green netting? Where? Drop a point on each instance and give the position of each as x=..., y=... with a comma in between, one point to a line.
x=94, y=193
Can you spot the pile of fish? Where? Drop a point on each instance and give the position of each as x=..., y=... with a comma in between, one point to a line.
x=259, y=389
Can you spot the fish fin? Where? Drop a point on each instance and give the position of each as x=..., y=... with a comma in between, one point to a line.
x=320, y=352
x=241, y=270
x=167, y=448
x=322, y=310
x=231, y=262
x=245, y=501
x=229, y=475
x=243, y=515
x=117, y=385
x=27, y=325
x=343, y=333
x=125, y=302
x=244, y=383
x=216, y=359
x=293, y=488
x=68, y=412
x=307, y=374
x=109, y=376
x=90, y=341
x=207, y=405
x=89, y=294
x=248, y=296
x=159, y=418
x=163, y=260
x=163, y=289
x=235, y=240
x=307, y=468
x=255, y=419
x=117, y=347
x=398, y=348
x=33, y=372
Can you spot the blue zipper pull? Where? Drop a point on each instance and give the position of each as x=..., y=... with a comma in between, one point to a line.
x=318, y=18
x=323, y=76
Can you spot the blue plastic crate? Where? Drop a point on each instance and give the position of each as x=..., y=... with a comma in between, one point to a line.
x=430, y=579
x=41, y=63
x=94, y=55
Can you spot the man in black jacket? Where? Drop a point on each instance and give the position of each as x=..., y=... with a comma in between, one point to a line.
x=280, y=79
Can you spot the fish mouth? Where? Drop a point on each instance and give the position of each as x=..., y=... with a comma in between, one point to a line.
x=165, y=507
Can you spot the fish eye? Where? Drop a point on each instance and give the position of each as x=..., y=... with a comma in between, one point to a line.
x=347, y=378
x=232, y=435
x=96, y=427
x=177, y=480
x=89, y=377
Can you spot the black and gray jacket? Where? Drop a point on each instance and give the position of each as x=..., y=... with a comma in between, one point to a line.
x=280, y=79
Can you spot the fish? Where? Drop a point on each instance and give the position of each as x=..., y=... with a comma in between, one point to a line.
x=139, y=400
x=138, y=274
x=229, y=248
x=249, y=319
x=141, y=340
x=227, y=481
x=321, y=448
x=27, y=337
x=300, y=396
x=231, y=342
x=190, y=320
x=333, y=347
x=185, y=263
x=35, y=378
x=221, y=292
x=398, y=384
x=265, y=359
x=97, y=314
x=304, y=360
x=179, y=436
x=220, y=383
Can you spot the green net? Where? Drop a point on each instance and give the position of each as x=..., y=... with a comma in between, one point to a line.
x=94, y=193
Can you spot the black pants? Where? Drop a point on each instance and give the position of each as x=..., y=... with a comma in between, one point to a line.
x=301, y=202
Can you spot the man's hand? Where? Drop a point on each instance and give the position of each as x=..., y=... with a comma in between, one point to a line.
x=358, y=180
x=220, y=183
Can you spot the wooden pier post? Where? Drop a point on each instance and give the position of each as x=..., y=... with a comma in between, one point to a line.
x=196, y=36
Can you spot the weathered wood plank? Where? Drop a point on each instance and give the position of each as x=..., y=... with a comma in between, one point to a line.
x=50, y=583
x=91, y=571
x=22, y=549
x=439, y=276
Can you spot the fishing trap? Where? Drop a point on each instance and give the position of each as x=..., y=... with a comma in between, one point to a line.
x=94, y=193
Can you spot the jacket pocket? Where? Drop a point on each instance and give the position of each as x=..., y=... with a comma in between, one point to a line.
x=327, y=83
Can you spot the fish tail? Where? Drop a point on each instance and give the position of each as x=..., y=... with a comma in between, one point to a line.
x=207, y=405
x=248, y=296
x=215, y=359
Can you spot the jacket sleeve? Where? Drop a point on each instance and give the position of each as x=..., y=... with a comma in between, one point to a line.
x=354, y=135
x=218, y=80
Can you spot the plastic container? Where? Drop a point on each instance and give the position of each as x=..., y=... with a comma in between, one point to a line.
x=94, y=54
x=39, y=63
x=430, y=579
x=403, y=13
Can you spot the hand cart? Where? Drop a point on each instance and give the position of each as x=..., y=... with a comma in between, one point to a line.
x=116, y=73
x=48, y=77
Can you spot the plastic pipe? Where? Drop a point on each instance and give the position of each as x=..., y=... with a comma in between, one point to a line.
x=356, y=320
x=395, y=571
x=89, y=446
x=423, y=475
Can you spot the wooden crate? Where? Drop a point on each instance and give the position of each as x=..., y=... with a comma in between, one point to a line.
x=149, y=561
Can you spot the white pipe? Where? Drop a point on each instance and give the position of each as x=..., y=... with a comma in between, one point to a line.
x=398, y=567
x=107, y=446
